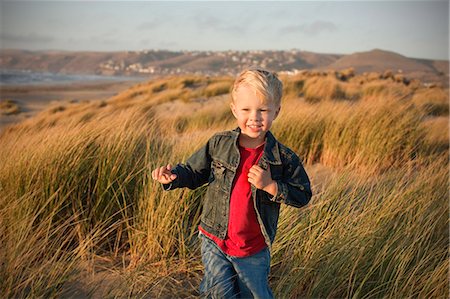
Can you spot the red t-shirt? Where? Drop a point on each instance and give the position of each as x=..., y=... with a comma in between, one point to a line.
x=244, y=236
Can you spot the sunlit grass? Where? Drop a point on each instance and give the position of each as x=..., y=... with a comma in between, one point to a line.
x=368, y=237
x=76, y=189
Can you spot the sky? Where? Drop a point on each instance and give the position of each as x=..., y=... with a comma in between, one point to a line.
x=417, y=29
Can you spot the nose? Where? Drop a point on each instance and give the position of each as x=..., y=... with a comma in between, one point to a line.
x=255, y=115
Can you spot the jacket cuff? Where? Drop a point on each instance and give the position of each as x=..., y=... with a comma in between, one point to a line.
x=167, y=187
x=282, y=193
x=174, y=184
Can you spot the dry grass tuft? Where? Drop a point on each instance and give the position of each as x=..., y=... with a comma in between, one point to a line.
x=9, y=107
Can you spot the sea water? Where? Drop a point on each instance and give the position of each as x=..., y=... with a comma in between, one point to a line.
x=18, y=77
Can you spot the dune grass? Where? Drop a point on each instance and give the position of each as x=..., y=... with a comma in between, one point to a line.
x=370, y=136
x=76, y=189
x=368, y=237
x=9, y=107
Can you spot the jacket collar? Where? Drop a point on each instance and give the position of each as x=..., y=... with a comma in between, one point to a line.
x=271, y=149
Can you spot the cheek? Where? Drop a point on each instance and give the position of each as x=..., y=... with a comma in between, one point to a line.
x=241, y=120
x=268, y=120
x=242, y=117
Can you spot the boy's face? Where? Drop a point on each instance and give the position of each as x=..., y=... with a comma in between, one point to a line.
x=254, y=117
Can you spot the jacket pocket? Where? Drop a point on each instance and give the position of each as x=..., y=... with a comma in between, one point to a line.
x=219, y=175
x=209, y=210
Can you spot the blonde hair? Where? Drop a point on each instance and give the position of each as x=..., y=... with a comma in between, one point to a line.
x=263, y=81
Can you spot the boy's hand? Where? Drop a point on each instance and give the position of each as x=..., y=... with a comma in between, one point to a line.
x=163, y=174
x=262, y=179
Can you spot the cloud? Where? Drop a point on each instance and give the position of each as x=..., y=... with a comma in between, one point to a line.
x=207, y=21
x=155, y=21
x=212, y=23
x=314, y=28
x=29, y=38
x=149, y=25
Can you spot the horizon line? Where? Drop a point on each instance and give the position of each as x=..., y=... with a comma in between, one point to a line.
x=219, y=51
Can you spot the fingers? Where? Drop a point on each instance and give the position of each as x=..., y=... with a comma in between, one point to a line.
x=259, y=177
x=163, y=174
x=255, y=169
x=254, y=174
x=161, y=171
x=171, y=175
x=251, y=176
x=156, y=173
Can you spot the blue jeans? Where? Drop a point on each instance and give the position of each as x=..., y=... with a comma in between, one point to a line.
x=234, y=277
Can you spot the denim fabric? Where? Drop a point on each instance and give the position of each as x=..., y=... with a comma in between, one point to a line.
x=233, y=277
x=215, y=164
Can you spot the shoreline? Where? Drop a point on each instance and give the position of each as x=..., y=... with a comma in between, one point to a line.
x=33, y=98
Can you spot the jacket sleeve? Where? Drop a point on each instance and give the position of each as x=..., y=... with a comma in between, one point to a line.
x=294, y=188
x=195, y=172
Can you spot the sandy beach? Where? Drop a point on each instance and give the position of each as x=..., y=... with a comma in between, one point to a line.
x=32, y=99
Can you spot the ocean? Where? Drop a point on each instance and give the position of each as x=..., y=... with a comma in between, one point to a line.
x=16, y=77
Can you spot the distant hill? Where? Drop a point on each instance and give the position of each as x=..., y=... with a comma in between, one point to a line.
x=379, y=60
x=158, y=62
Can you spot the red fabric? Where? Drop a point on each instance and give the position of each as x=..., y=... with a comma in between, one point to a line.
x=244, y=236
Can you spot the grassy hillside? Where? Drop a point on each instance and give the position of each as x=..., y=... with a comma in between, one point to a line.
x=80, y=215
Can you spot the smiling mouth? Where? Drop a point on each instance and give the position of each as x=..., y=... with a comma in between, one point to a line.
x=254, y=127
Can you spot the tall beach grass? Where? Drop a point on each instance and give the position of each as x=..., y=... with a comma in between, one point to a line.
x=79, y=213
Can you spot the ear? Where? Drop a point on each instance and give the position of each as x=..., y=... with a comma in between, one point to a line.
x=233, y=109
x=277, y=112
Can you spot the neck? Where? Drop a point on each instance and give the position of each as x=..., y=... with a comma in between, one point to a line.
x=248, y=142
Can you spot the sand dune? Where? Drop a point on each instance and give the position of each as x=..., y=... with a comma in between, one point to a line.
x=34, y=98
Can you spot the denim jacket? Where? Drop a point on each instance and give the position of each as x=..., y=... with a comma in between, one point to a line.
x=216, y=163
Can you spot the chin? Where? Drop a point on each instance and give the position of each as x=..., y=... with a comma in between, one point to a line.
x=256, y=135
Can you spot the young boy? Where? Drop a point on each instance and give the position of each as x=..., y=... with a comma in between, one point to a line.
x=249, y=174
